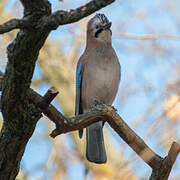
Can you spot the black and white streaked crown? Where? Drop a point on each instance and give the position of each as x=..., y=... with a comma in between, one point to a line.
x=102, y=18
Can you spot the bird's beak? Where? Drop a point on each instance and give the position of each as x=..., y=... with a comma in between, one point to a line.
x=107, y=26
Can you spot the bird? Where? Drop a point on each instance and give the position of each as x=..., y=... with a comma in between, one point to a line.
x=98, y=74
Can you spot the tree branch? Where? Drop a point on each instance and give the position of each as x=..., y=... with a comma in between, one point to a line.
x=162, y=173
x=38, y=6
x=65, y=17
x=48, y=97
x=161, y=166
x=51, y=21
x=148, y=36
x=13, y=24
x=117, y=123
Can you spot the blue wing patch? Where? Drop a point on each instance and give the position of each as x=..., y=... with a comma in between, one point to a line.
x=78, y=108
x=79, y=76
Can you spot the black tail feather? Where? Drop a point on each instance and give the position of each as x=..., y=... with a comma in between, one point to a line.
x=95, y=150
x=80, y=133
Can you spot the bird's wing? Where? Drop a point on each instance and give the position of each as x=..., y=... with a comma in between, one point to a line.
x=78, y=108
x=78, y=105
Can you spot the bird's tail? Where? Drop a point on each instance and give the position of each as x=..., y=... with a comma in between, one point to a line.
x=80, y=133
x=95, y=150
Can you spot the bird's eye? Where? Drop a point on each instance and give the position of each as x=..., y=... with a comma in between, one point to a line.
x=97, y=26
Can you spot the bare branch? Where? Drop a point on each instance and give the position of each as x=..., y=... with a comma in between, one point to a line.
x=54, y=20
x=161, y=167
x=48, y=97
x=13, y=24
x=50, y=111
x=65, y=17
x=162, y=173
x=117, y=123
x=148, y=36
x=41, y=7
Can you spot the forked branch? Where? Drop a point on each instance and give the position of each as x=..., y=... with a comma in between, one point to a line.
x=161, y=167
x=52, y=21
x=14, y=24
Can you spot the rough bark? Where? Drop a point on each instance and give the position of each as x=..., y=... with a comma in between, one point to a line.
x=19, y=115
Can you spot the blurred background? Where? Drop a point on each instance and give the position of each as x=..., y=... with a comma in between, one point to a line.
x=146, y=37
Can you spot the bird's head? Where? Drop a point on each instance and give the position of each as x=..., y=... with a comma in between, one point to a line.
x=99, y=28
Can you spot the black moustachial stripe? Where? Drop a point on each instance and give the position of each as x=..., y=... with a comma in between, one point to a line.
x=98, y=32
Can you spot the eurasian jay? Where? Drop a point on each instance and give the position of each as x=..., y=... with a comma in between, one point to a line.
x=97, y=80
